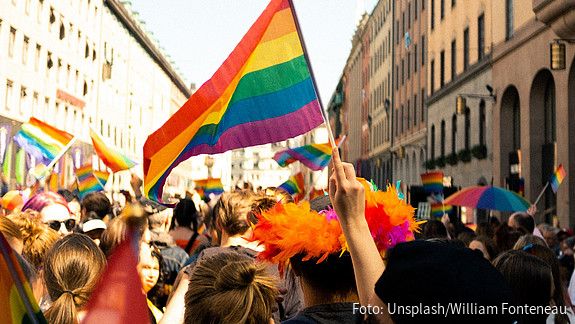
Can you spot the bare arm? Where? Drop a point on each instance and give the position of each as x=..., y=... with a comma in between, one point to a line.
x=176, y=306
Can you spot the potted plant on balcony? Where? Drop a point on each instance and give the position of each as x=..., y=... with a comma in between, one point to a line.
x=479, y=151
x=440, y=162
x=464, y=155
x=430, y=164
x=452, y=159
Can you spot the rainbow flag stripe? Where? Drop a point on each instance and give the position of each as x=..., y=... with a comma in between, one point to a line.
x=432, y=182
x=314, y=156
x=209, y=186
x=557, y=178
x=41, y=140
x=17, y=301
x=262, y=93
x=102, y=176
x=294, y=185
x=87, y=182
x=111, y=157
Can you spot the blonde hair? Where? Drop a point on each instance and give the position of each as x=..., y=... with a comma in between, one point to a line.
x=230, y=288
x=37, y=237
x=233, y=210
x=72, y=269
x=8, y=228
x=117, y=231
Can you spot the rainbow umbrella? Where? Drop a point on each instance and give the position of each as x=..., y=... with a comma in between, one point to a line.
x=488, y=197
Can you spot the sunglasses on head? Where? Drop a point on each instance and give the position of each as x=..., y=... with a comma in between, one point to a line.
x=69, y=223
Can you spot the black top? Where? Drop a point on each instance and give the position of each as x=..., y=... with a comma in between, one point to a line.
x=327, y=314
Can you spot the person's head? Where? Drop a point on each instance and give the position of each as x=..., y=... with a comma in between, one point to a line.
x=485, y=245
x=466, y=236
x=186, y=214
x=434, y=229
x=506, y=237
x=12, y=234
x=160, y=221
x=230, y=288
x=522, y=220
x=73, y=203
x=280, y=195
x=148, y=266
x=72, y=269
x=550, y=234
x=233, y=211
x=132, y=217
x=530, y=278
x=528, y=239
x=54, y=211
x=98, y=203
x=485, y=229
x=37, y=237
x=94, y=227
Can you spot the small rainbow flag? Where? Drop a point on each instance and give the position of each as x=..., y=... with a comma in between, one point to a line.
x=111, y=157
x=317, y=193
x=210, y=186
x=437, y=210
x=263, y=93
x=314, y=156
x=294, y=185
x=17, y=301
x=87, y=182
x=102, y=176
x=432, y=182
x=557, y=178
x=41, y=140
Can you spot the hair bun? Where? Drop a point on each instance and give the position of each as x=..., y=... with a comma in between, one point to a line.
x=236, y=275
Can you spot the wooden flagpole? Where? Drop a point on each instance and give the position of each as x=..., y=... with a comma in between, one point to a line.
x=302, y=41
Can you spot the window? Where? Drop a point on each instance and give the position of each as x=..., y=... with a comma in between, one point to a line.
x=508, y=19
x=432, y=136
x=415, y=110
x=414, y=58
x=432, y=76
x=62, y=30
x=37, y=57
x=432, y=8
x=408, y=65
x=402, y=71
x=39, y=9
x=402, y=24
x=453, y=60
x=442, y=9
x=11, y=42
x=397, y=31
x=27, y=7
x=454, y=134
x=422, y=50
x=422, y=105
x=396, y=77
x=467, y=128
x=442, y=147
x=23, y=97
x=408, y=114
x=452, y=3
x=423, y=5
x=401, y=117
x=480, y=37
x=415, y=9
x=35, y=103
x=465, y=49
x=442, y=69
x=9, y=93
x=25, y=46
x=482, y=122
x=409, y=16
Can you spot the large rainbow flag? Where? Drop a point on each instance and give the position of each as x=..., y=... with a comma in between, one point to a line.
x=262, y=93
x=17, y=301
x=209, y=186
x=294, y=185
x=557, y=178
x=41, y=140
x=87, y=181
x=314, y=156
x=111, y=156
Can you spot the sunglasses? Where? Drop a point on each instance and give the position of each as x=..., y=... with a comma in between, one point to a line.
x=69, y=224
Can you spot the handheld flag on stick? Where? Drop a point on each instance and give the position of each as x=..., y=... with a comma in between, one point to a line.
x=262, y=93
x=557, y=178
x=43, y=141
x=294, y=185
x=432, y=182
x=209, y=186
x=102, y=177
x=314, y=156
x=16, y=298
x=87, y=182
x=118, y=297
x=111, y=157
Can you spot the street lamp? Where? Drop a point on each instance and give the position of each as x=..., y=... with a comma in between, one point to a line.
x=557, y=53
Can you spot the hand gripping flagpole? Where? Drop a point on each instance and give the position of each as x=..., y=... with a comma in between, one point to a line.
x=302, y=41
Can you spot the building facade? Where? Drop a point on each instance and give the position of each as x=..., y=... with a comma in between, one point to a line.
x=85, y=64
x=534, y=115
x=409, y=111
x=459, y=54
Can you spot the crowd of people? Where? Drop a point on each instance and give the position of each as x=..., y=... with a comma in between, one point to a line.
x=256, y=256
